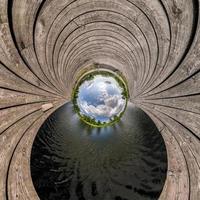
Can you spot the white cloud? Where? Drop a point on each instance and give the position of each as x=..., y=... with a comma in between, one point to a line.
x=113, y=105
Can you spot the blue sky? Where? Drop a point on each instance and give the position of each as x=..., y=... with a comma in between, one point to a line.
x=101, y=98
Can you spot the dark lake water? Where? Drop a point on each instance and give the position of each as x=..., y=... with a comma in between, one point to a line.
x=72, y=161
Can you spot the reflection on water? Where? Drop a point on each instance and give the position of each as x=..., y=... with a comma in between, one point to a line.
x=73, y=161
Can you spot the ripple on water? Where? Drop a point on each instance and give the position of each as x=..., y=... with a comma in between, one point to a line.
x=71, y=160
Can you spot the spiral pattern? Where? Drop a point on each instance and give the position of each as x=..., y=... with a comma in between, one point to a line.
x=45, y=45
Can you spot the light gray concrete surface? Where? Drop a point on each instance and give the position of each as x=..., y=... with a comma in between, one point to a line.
x=44, y=45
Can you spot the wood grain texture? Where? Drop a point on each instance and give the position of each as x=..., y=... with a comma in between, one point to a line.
x=44, y=45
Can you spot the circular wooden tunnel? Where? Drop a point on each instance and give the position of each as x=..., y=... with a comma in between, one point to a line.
x=45, y=45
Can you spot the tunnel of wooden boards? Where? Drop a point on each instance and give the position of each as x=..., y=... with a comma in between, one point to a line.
x=45, y=45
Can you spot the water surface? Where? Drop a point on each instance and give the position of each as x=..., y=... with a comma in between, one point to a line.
x=71, y=160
